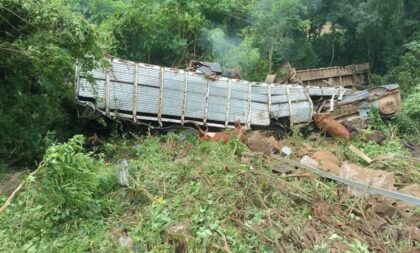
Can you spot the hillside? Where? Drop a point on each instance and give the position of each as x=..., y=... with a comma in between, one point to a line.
x=187, y=195
x=99, y=168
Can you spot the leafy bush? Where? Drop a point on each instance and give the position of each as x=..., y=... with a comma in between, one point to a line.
x=69, y=188
x=409, y=120
x=69, y=181
x=407, y=73
x=375, y=120
x=40, y=41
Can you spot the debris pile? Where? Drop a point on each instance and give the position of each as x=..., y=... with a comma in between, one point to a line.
x=353, y=110
x=369, y=177
x=262, y=142
x=282, y=194
x=363, y=206
x=212, y=69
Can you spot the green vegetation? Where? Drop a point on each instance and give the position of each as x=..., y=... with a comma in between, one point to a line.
x=409, y=120
x=41, y=40
x=70, y=188
x=73, y=204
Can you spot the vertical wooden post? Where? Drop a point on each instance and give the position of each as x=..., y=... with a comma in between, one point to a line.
x=248, y=120
x=227, y=111
x=206, y=108
x=184, y=100
x=160, y=96
x=107, y=93
x=135, y=90
x=311, y=104
x=290, y=105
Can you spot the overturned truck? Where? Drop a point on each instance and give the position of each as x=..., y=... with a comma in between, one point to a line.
x=356, y=75
x=148, y=93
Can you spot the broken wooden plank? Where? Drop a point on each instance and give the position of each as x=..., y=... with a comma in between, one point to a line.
x=391, y=156
x=360, y=154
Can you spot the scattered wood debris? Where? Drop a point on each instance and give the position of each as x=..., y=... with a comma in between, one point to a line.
x=371, y=181
x=177, y=235
x=369, y=177
x=327, y=161
x=414, y=148
x=407, y=210
x=391, y=156
x=375, y=136
x=360, y=154
x=259, y=141
x=246, y=157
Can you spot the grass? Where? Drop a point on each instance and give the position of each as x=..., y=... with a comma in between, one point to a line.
x=226, y=206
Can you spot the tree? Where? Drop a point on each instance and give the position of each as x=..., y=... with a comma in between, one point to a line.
x=162, y=32
x=40, y=41
x=279, y=31
x=362, y=31
x=97, y=11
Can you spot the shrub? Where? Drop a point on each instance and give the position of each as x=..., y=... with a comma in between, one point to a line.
x=68, y=196
x=408, y=71
x=409, y=119
x=69, y=181
x=40, y=41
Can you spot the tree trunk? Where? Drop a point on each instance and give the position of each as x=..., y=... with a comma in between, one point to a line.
x=333, y=45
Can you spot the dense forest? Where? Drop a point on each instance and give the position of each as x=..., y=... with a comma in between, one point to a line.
x=42, y=39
